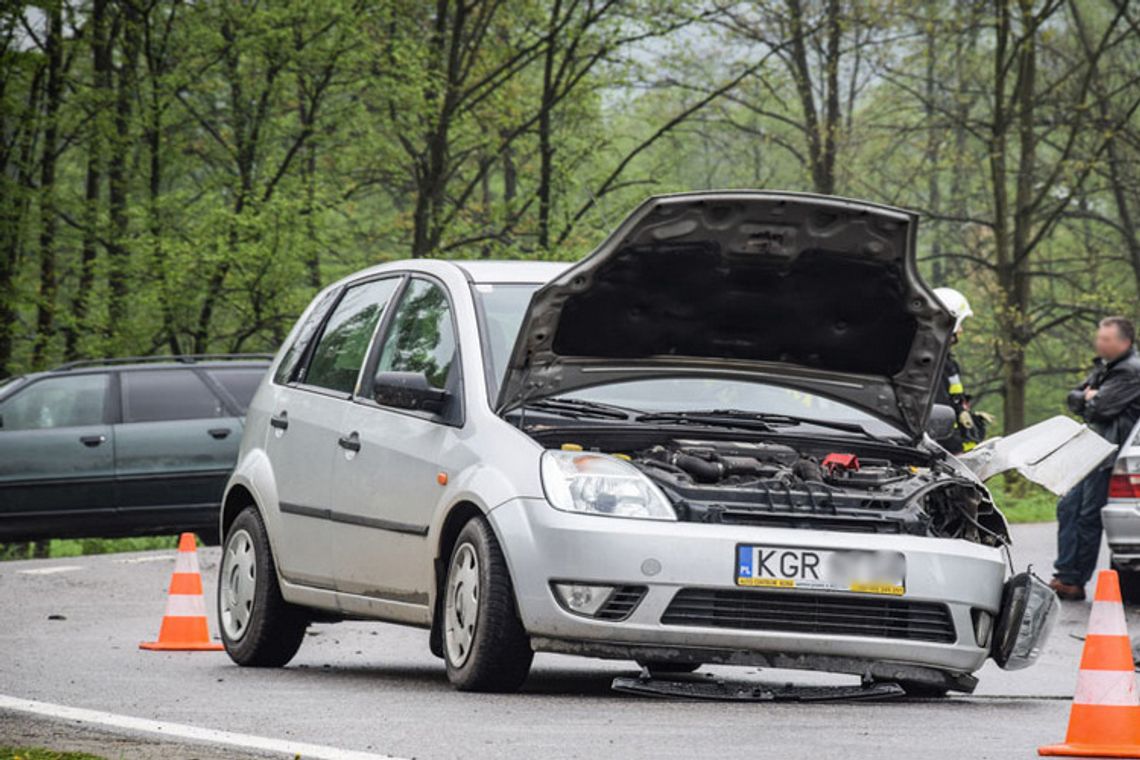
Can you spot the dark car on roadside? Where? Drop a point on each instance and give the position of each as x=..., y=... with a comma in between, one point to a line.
x=122, y=447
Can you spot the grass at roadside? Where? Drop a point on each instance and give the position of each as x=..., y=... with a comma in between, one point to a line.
x=76, y=547
x=37, y=753
x=1021, y=501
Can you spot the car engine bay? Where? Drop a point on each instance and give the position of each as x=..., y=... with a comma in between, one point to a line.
x=821, y=485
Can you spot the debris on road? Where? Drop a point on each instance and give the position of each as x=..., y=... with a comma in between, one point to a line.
x=742, y=691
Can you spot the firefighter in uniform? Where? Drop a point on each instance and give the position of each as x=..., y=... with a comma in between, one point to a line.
x=970, y=428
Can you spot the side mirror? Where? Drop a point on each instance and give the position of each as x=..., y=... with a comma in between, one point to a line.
x=940, y=424
x=408, y=390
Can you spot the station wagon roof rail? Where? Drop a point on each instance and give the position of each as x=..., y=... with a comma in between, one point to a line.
x=169, y=358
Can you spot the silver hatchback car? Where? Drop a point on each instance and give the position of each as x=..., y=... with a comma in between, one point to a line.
x=1121, y=517
x=707, y=442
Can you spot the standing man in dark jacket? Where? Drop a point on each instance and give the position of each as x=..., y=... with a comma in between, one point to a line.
x=1109, y=400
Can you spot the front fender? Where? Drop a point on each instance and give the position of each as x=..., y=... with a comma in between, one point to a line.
x=254, y=473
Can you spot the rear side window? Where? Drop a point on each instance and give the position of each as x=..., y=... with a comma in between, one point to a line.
x=340, y=351
x=163, y=395
x=239, y=383
x=72, y=401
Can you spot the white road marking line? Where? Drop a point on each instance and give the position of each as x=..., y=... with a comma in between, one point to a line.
x=183, y=731
x=149, y=558
x=51, y=570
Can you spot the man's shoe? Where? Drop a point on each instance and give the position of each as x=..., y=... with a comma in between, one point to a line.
x=1070, y=592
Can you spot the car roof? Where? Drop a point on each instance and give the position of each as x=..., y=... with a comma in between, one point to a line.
x=512, y=271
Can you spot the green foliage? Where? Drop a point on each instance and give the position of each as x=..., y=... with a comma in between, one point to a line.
x=1021, y=501
x=39, y=753
x=218, y=163
x=78, y=547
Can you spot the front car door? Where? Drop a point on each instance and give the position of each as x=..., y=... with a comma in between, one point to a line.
x=57, y=458
x=386, y=491
x=175, y=446
x=304, y=435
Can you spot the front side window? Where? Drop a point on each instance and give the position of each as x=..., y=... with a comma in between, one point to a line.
x=164, y=395
x=287, y=368
x=72, y=401
x=422, y=337
x=340, y=351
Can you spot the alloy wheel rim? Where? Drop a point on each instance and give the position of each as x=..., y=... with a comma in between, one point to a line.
x=461, y=606
x=239, y=581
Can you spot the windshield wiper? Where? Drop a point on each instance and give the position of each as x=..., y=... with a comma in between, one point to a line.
x=763, y=420
x=574, y=407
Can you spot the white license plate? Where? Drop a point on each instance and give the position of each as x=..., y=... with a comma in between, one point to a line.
x=866, y=572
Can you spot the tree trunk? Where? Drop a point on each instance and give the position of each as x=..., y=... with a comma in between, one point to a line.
x=1121, y=195
x=46, y=304
x=933, y=138
x=15, y=206
x=118, y=178
x=545, y=138
x=101, y=68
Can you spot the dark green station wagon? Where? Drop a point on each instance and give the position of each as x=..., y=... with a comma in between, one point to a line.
x=122, y=447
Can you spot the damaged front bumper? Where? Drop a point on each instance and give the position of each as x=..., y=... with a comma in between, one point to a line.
x=938, y=632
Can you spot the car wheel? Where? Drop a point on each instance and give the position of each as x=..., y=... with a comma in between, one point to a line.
x=1129, y=583
x=670, y=668
x=484, y=643
x=259, y=628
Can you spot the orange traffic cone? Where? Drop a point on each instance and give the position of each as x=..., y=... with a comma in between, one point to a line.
x=1105, y=721
x=184, y=626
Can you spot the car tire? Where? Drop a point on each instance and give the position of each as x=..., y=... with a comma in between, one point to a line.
x=485, y=645
x=1129, y=583
x=658, y=669
x=259, y=628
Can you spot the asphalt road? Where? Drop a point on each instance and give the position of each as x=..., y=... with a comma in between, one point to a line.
x=71, y=627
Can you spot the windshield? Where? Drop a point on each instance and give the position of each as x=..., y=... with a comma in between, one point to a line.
x=503, y=307
x=695, y=394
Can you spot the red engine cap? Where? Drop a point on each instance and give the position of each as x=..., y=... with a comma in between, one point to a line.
x=835, y=461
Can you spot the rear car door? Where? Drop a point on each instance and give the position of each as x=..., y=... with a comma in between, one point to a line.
x=238, y=383
x=304, y=434
x=57, y=458
x=175, y=446
x=386, y=490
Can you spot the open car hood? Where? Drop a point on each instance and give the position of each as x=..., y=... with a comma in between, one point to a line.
x=799, y=290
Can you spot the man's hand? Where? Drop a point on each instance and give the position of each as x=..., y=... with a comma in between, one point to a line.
x=965, y=420
x=1090, y=393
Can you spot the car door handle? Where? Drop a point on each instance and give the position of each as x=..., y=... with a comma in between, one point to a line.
x=351, y=442
x=91, y=441
x=218, y=433
x=280, y=421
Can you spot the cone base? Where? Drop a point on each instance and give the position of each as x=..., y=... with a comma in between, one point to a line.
x=181, y=646
x=1091, y=750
